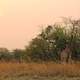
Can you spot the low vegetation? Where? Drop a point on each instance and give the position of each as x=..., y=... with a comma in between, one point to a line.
x=39, y=71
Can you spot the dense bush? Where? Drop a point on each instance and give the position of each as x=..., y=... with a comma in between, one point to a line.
x=53, y=39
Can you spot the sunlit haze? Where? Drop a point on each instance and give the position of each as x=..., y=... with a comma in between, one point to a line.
x=20, y=20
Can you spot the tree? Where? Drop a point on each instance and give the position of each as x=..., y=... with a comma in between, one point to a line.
x=18, y=55
x=4, y=54
x=49, y=44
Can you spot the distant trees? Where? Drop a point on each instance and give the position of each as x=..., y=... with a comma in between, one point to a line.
x=4, y=54
x=49, y=44
x=16, y=55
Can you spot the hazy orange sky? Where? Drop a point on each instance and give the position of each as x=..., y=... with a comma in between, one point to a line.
x=20, y=20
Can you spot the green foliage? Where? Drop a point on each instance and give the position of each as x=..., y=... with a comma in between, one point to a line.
x=48, y=45
x=19, y=55
x=4, y=54
x=53, y=39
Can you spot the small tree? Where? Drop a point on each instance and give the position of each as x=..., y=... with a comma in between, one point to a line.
x=18, y=55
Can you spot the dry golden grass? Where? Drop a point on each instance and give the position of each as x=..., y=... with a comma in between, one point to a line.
x=41, y=69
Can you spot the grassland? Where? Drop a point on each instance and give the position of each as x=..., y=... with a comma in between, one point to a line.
x=39, y=71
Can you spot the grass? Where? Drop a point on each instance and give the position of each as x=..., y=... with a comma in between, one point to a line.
x=39, y=71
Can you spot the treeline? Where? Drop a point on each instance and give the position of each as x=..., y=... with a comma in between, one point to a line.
x=49, y=44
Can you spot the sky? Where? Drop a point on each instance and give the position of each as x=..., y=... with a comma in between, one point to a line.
x=22, y=20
